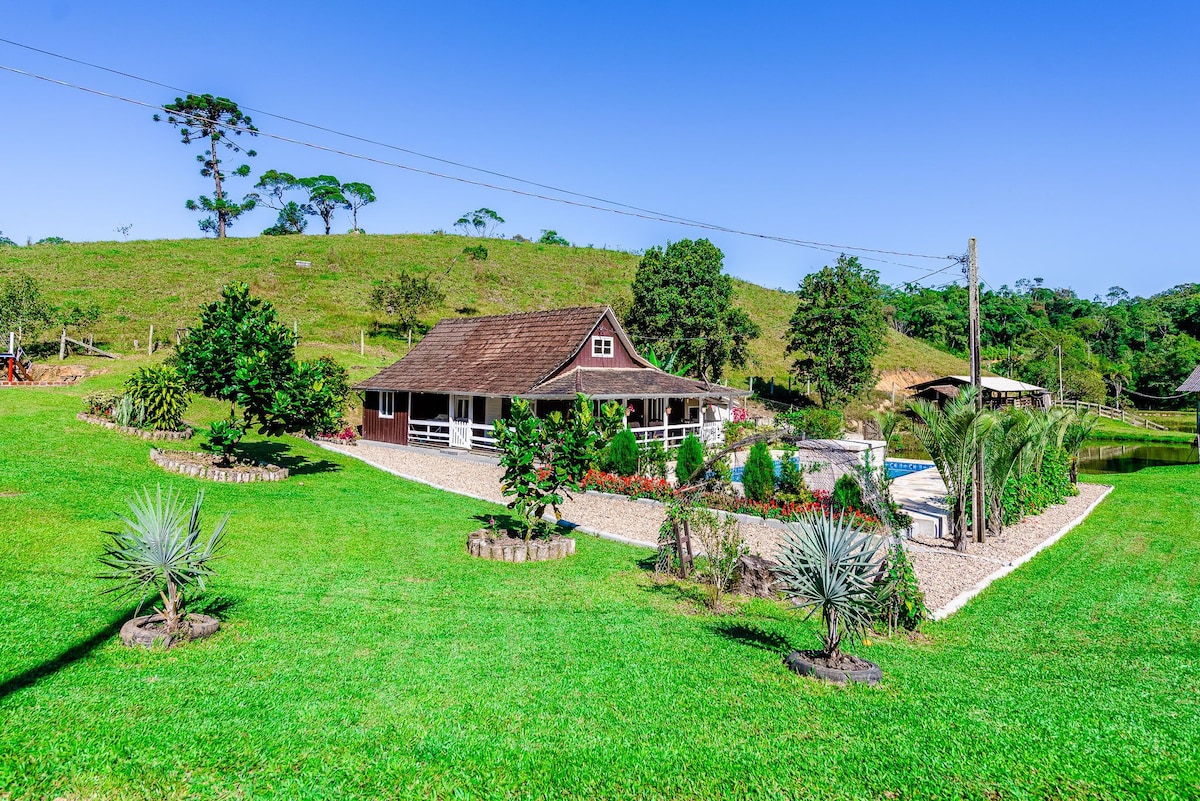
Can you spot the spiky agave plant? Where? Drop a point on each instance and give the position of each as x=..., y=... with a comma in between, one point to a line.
x=826, y=565
x=159, y=548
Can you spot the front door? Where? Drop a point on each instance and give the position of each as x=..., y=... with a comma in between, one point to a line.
x=460, y=421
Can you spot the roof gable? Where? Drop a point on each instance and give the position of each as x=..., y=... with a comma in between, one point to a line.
x=504, y=354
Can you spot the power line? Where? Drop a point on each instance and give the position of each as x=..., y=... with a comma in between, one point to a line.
x=634, y=211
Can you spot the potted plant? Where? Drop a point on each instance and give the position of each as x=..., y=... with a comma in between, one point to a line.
x=159, y=548
x=828, y=564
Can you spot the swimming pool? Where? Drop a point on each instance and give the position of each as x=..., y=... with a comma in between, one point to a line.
x=903, y=467
x=895, y=468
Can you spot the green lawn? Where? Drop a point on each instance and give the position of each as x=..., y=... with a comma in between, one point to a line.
x=365, y=655
x=1116, y=430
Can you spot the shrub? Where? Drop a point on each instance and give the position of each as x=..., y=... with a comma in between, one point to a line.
x=721, y=539
x=654, y=459
x=621, y=455
x=758, y=476
x=476, y=252
x=572, y=441
x=129, y=413
x=901, y=601
x=812, y=422
x=163, y=394
x=315, y=396
x=688, y=459
x=847, y=493
x=791, y=481
x=222, y=437
x=827, y=564
x=735, y=430
x=100, y=402
x=159, y=549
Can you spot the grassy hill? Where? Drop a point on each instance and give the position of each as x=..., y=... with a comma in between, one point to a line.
x=161, y=282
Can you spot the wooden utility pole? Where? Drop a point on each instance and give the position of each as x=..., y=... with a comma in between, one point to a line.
x=977, y=501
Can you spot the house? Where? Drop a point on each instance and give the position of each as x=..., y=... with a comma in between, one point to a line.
x=1192, y=384
x=997, y=392
x=463, y=375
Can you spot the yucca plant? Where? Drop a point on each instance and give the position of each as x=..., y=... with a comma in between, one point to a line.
x=159, y=548
x=128, y=412
x=162, y=394
x=827, y=564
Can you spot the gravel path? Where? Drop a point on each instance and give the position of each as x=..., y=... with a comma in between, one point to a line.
x=943, y=572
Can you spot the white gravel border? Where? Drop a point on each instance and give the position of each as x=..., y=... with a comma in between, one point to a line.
x=960, y=600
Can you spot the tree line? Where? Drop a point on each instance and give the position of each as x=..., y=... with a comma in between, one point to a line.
x=1111, y=346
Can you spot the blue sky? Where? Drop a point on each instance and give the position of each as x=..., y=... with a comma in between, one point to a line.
x=1063, y=135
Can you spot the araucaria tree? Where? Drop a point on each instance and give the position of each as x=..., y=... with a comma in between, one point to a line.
x=683, y=301
x=273, y=186
x=204, y=118
x=837, y=330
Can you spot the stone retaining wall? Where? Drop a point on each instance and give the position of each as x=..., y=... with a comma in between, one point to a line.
x=237, y=475
x=534, y=551
x=136, y=432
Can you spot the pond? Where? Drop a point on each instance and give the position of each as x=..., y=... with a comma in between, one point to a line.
x=1126, y=457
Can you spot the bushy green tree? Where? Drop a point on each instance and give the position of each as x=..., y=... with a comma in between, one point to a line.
x=847, y=493
x=572, y=441
x=791, y=486
x=758, y=476
x=215, y=120
x=406, y=298
x=683, y=301
x=551, y=238
x=22, y=307
x=530, y=478
x=622, y=454
x=241, y=354
x=325, y=197
x=688, y=459
x=837, y=330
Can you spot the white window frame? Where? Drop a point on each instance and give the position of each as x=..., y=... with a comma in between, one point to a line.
x=387, y=400
x=602, y=347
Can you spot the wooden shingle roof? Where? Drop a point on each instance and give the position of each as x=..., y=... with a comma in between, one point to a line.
x=1192, y=384
x=505, y=354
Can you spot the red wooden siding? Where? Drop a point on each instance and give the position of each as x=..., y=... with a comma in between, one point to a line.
x=383, y=429
x=620, y=357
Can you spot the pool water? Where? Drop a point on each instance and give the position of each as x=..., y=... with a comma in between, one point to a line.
x=895, y=468
x=903, y=467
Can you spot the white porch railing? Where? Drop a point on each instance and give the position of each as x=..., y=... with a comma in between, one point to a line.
x=450, y=434
x=673, y=434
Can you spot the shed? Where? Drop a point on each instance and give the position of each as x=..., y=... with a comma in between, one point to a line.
x=998, y=391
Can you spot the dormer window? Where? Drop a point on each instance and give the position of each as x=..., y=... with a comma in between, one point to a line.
x=602, y=347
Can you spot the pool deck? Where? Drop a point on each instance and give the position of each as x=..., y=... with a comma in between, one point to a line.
x=923, y=495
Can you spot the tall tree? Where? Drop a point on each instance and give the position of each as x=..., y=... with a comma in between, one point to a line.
x=837, y=330
x=215, y=120
x=22, y=308
x=683, y=301
x=273, y=187
x=481, y=222
x=324, y=197
x=357, y=195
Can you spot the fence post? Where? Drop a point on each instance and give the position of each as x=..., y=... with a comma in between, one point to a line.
x=150, y=342
x=62, y=345
x=362, y=342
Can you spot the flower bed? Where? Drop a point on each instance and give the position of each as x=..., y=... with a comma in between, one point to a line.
x=347, y=436
x=660, y=490
x=630, y=486
x=144, y=433
x=202, y=465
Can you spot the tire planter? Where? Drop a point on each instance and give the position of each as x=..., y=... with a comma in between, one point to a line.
x=801, y=662
x=482, y=545
x=134, y=632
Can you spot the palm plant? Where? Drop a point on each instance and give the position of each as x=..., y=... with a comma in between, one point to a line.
x=1077, y=431
x=159, y=548
x=953, y=436
x=827, y=563
x=1009, y=439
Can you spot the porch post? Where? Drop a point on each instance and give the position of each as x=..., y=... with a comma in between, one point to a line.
x=666, y=420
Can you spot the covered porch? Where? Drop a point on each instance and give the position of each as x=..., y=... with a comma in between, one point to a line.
x=464, y=421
